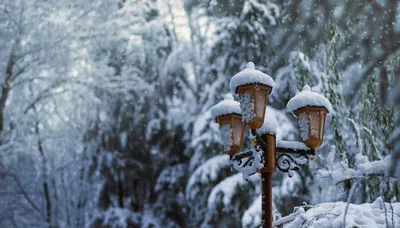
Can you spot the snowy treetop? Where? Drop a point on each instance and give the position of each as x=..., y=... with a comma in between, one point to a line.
x=308, y=98
x=250, y=75
x=225, y=107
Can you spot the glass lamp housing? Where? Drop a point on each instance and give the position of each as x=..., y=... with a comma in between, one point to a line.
x=253, y=102
x=312, y=123
x=234, y=131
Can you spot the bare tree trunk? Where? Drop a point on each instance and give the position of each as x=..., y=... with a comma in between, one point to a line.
x=55, y=195
x=120, y=191
x=5, y=89
x=44, y=173
x=68, y=201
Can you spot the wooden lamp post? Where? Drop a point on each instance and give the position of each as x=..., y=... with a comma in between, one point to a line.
x=253, y=87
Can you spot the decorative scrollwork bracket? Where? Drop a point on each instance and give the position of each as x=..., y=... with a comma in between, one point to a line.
x=287, y=163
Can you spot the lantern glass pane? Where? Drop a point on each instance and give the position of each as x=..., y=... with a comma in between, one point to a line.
x=261, y=98
x=321, y=133
x=247, y=104
x=226, y=132
x=224, y=121
x=314, y=117
x=303, y=124
x=237, y=131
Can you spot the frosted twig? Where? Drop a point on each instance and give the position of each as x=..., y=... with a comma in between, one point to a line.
x=10, y=141
x=25, y=194
x=362, y=176
x=290, y=217
x=391, y=207
x=353, y=188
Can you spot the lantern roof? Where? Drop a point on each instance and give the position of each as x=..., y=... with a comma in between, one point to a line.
x=225, y=107
x=249, y=76
x=308, y=98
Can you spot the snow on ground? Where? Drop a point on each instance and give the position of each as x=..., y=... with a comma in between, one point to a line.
x=377, y=215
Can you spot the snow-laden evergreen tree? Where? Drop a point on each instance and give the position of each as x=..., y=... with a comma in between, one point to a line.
x=141, y=143
x=366, y=39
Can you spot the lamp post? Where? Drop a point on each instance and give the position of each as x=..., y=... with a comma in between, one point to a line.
x=253, y=87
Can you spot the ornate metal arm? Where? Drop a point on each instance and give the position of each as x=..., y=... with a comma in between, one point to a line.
x=288, y=164
x=292, y=156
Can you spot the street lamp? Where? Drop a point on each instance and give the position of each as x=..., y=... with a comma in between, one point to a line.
x=311, y=109
x=253, y=88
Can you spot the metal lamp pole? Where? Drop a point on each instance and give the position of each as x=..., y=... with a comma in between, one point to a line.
x=253, y=87
x=267, y=142
x=287, y=155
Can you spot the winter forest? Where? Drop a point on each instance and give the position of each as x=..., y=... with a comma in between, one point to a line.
x=105, y=111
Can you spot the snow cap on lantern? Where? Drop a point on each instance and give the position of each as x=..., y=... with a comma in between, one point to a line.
x=268, y=132
x=311, y=109
x=269, y=126
x=227, y=114
x=253, y=87
x=225, y=107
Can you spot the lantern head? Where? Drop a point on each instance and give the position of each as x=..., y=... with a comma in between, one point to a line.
x=311, y=109
x=253, y=88
x=228, y=115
